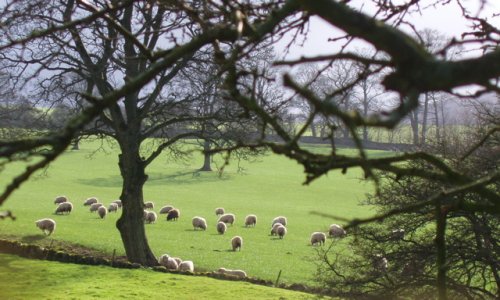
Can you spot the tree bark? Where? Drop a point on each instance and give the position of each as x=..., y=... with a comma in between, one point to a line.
x=207, y=157
x=424, y=119
x=414, y=126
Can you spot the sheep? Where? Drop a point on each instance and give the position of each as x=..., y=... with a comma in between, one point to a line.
x=199, y=222
x=60, y=199
x=318, y=237
x=221, y=227
x=281, y=231
x=177, y=259
x=118, y=203
x=236, y=273
x=186, y=266
x=379, y=263
x=64, y=207
x=219, y=211
x=282, y=220
x=398, y=234
x=95, y=206
x=46, y=225
x=173, y=214
x=274, y=230
x=150, y=217
x=250, y=220
x=144, y=214
x=113, y=206
x=165, y=209
x=149, y=205
x=102, y=211
x=90, y=201
x=227, y=218
x=168, y=262
x=237, y=243
x=336, y=231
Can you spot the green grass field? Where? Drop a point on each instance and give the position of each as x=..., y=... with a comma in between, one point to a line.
x=268, y=187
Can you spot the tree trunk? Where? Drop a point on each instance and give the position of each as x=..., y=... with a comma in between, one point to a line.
x=131, y=223
x=414, y=126
x=424, y=119
x=313, y=129
x=207, y=157
x=436, y=116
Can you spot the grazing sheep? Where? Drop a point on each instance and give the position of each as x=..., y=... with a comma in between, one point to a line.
x=237, y=242
x=166, y=209
x=173, y=214
x=144, y=214
x=398, y=234
x=102, y=211
x=379, y=263
x=150, y=217
x=219, y=211
x=318, y=237
x=95, y=206
x=186, y=266
x=177, y=259
x=336, y=231
x=64, y=207
x=221, y=227
x=274, y=230
x=149, y=205
x=281, y=231
x=236, y=273
x=90, y=201
x=60, y=199
x=46, y=225
x=227, y=218
x=168, y=262
x=113, y=207
x=250, y=220
x=282, y=220
x=118, y=203
x=199, y=222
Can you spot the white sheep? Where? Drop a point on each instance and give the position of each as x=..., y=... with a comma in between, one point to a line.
x=177, y=259
x=199, y=222
x=173, y=214
x=64, y=207
x=186, y=266
x=336, y=231
x=102, y=211
x=221, y=227
x=168, y=262
x=281, y=231
x=165, y=209
x=149, y=205
x=250, y=220
x=46, y=225
x=90, y=201
x=274, y=230
x=118, y=203
x=150, y=217
x=318, y=237
x=60, y=199
x=236, y=273
x=113, y=207
x=379, y=263
x=219, y=211
x=227, y=218
x=282, y=220
x=237, y=243
x=95, y=206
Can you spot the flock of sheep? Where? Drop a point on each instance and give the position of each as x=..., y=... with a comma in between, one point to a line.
x=278, y=228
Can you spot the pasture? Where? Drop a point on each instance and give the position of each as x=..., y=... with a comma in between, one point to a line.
x=268, y=186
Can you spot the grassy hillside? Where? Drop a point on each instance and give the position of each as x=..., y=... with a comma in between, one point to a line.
x=268, y=187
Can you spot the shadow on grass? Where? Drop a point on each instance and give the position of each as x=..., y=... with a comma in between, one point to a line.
x=33, y=238
x=227, y=250
x=181, y=177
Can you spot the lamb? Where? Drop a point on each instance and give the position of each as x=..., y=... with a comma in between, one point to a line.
x=219, y=211
x=186, y=266
x=237, y=242
x=118, y=203
x=336, y=231
x=64, y=207
x=150, y=217
x=318, y=237
x=274, y=230
x=227, y=218
x=282, y=220
x=168, y=262
x=281, y=231
x=236, y=273
x=379, y=263
x=199, y=222
x=250, y=220
x=173, y=214
x=95, y=206
x=60, y=199
x=113, y=207
x=149, y=205
x=221, y=227
x=90, y=201
x=102, y=211
x=46, y=225
x=166, y=209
